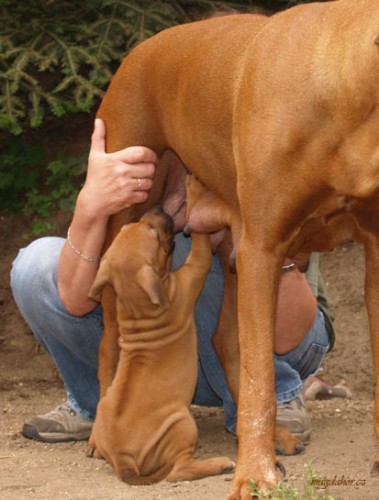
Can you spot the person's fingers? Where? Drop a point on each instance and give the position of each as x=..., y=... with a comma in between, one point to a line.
x=139, y=170
x=142, y=184
x=98, y=137
x=137, y=197
x=136, y=154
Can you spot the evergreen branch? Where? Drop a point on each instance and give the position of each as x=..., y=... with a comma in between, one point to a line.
x=64, y=84
x=140, y=10
x=103, y=39
x=68, y=53
x=36, y=114
x=141, y=27
x=29, y=79
x=8, y=99
x=69, y=50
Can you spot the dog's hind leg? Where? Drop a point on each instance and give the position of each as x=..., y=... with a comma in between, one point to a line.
x=179, y=445
x=188, y=468
x=225, y=338
x=372, y=302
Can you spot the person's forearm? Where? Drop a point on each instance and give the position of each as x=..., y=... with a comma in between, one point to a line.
x=76, y=273
x=114, y=182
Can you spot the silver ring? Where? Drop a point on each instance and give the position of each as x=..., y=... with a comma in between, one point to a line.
x=139, y=184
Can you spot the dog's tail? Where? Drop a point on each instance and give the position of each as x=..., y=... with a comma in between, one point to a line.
x=133, y=477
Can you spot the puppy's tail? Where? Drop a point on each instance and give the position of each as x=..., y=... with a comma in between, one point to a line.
x=133, y=477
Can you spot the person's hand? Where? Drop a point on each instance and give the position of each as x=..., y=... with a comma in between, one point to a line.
x=116, y=180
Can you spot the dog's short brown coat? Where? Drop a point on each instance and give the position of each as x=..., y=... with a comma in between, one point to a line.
x=279, y=118
x=143, y=426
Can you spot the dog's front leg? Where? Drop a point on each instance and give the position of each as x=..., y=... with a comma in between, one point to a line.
x=258, y=274
x=372, y=303
x=108, y=355
x=225, y=338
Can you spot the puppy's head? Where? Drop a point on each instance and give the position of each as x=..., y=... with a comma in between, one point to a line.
x=137, y=262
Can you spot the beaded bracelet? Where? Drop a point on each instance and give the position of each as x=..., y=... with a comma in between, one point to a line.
x=78, y=252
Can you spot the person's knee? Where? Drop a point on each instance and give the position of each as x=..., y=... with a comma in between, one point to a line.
x=34, y=265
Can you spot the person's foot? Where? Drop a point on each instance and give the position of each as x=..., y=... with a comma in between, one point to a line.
x=59, y=425
x=293, y=416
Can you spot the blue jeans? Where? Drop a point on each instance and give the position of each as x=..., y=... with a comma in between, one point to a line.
x=73, y=342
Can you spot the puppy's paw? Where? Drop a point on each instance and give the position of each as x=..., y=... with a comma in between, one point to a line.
x=228, y=466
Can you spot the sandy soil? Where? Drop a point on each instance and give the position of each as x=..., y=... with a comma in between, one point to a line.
x=342, y=447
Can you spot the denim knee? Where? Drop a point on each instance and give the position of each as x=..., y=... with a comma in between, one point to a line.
x=34, y=272
x=34, y=264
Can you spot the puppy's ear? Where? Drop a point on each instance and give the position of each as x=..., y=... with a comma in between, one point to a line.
x=102, y=279
x=151, y=283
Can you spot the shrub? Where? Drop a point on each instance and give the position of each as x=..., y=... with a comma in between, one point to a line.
x=61, y=185
x=19, y=167
x=58, y=56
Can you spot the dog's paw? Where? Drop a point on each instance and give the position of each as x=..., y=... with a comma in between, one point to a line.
x=229, y=466
x=281, y=468
x=286, y=443
x=243, y=490
x=93, y=453
x=90, y=452
x=292, y=449
x=374, y=472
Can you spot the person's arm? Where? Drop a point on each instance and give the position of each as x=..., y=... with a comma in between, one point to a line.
x=114, y=181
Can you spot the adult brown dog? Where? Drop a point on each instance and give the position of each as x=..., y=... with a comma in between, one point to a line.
x=279, y=118
x=143, y=426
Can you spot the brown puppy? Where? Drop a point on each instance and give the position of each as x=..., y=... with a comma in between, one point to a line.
x=143, y=426
x=279, y=118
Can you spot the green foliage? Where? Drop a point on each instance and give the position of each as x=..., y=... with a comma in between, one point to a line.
x=29, y=186
x=284, y=491
x=61, y=189
x=19, y=166
x=57, y=56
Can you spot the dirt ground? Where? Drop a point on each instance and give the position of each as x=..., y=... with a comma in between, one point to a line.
x=342, y=446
